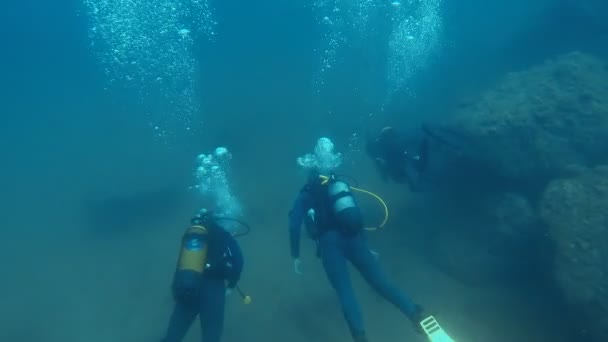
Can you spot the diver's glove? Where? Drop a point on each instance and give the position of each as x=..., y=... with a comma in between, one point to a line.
x=297, y=266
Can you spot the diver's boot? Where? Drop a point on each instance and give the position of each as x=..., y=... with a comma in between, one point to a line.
x=416, y=317
x=359, y=337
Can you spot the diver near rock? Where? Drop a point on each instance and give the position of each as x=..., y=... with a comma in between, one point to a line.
x=334, y=221
x=400, y=160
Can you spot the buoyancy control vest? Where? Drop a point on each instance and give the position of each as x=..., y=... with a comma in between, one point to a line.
x=334, y=208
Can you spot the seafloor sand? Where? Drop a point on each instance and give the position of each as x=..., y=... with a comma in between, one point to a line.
x=116, y=288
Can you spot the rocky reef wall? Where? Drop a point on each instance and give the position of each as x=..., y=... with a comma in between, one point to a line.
x=542, y=136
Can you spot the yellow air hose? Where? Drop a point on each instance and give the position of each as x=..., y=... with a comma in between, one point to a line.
x=378, y=198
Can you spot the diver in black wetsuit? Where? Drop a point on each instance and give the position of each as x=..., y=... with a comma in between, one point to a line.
x=397, y=159
x=400, y=160
x=209, y=267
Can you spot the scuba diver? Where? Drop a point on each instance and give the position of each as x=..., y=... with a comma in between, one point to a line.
x=334, y=221
x=208, y=269
x=396, y=160
x=403, y=161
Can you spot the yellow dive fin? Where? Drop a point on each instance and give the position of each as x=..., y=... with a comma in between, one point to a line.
x=433, y=330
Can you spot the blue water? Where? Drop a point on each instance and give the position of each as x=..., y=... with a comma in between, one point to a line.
x=70, y=138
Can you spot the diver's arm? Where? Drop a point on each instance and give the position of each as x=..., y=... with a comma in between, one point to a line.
x=236, y=259
x=296, y=217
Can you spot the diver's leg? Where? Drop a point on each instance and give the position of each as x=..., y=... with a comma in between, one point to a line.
x=365, y=262
x=336, y=268
x=182, y=317
x=212, y=310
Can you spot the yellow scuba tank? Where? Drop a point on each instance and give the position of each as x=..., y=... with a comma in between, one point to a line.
x=192, y=261
x=193, y=254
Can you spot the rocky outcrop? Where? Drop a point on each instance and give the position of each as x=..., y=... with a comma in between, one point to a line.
x=591, y=10
x=514, y=217
x=536, y=123
x=499, y=246
x=537, y=143
x=576, y=211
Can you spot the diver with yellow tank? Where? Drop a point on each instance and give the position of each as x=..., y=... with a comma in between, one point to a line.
x=208, y=268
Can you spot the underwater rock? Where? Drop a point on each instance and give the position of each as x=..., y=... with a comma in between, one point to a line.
x=593, y=11
x=500, y=244
x=537, y=122
x=576, y=211
x=516, y=229
x=470, y=259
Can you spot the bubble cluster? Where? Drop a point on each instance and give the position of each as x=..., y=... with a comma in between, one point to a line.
x=415, y=35
x=336, y=17
x=147, y=46
x=360, y=12
x=323, y=159
x=331, y=20
x=355, y=146
x=212, y=176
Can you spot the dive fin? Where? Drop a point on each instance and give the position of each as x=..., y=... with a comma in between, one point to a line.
x=433, y=330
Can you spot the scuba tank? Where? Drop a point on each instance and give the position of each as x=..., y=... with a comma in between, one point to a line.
x=345, y=211
x=340, y=195
x=335, y=208
x=192, y=260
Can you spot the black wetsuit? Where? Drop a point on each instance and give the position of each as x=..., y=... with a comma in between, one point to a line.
x=397, y=159
x=340, y=238
x=225, y=263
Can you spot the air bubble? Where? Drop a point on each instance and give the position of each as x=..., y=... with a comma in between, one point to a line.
x=122, y=38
